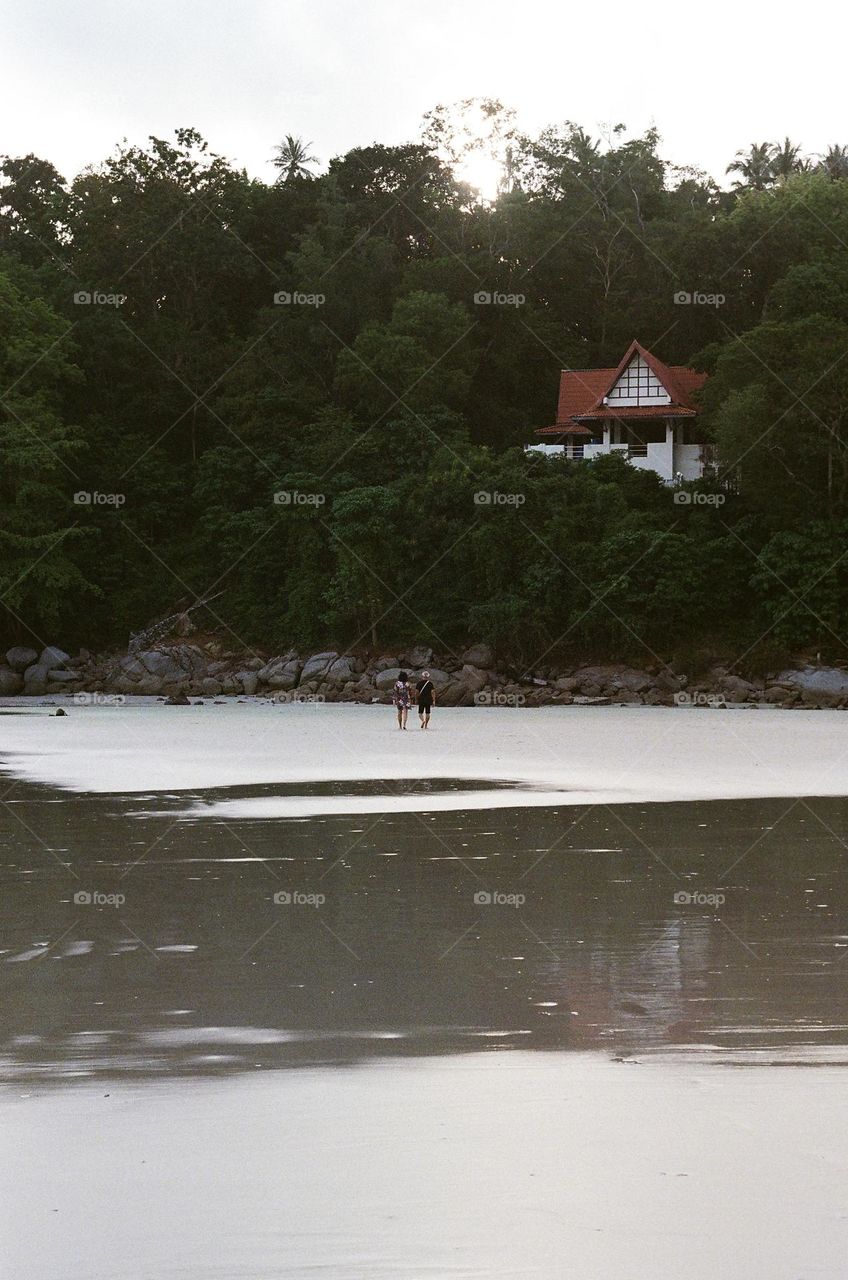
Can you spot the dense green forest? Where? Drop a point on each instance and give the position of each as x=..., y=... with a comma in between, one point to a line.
x=181, y=343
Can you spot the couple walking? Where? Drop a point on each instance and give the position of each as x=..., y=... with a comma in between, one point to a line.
x=402, y=698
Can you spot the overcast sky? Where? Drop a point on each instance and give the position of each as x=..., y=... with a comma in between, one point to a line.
x=75, y=78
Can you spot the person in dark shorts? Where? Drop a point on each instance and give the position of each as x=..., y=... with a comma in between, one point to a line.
x=426, y=699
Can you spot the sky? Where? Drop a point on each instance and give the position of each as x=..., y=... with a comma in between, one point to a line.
x=75, y=79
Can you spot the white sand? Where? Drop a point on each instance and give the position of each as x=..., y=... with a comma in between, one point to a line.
x=567, y=755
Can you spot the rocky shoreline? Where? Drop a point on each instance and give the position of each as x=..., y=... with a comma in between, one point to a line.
x=180, y=670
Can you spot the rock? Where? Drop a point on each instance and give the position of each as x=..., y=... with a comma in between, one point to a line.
x=60, y=712
x=123, y=684
x=53, y=657
x=384, y=663
x=316, y=667
x=161, y=663
x=35, y=679
x=133, y=667
x=479, y=655
x=282, y=676
x=62, y=676
x=668, y=682
x=149, y=686
x=823, y=685
x=177, y=700
x=454, y=695
x=440, y=679
x=385, y=679
x=658, y=698
x=473, y=679
x=419, y=656
x=632, y=681
x=249, y=681
x=342, y=670
x=779, y=695
x=739, y=688
x=590, y=690
x=210, y=687
x=11, y=682
x=567, y=683
x=19, y=657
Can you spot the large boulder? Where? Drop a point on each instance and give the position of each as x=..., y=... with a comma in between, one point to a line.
x=779, y=695
x=738, y=689
x=282, y=674
x=818, y=686
x=629, y=680
x=53, y=657
x=385, y=679
x=479, y=655
x=19, y=657
x=162, y=663
x=473, y=679
x=249, y=681
x=11, y=682
x=440, y=679
x=60, y=676
x=419, y=656
x=35, y=679
x=343, y=670
x=316, y=667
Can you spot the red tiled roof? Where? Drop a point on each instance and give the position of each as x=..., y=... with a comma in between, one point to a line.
x=582, y=391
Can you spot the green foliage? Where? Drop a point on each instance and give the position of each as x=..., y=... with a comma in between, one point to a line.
x=337, y=338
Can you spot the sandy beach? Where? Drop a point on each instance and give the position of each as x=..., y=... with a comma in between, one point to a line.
x=562, y=756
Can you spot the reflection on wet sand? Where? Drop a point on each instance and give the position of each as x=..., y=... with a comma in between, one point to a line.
x=156, y=945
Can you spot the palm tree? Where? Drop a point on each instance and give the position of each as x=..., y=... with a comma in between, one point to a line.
x=835, y=161
x=755, y=166
x=292, y=158
x=786, y=160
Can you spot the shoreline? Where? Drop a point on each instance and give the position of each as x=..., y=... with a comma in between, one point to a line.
x=546, y=756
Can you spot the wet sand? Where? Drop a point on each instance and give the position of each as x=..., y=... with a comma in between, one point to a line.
x=527, y=1166
x=626, y=1060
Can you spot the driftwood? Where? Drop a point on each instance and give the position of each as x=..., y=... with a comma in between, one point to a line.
x=159, y=630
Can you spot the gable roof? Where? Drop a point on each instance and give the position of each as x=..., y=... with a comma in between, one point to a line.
x=582, y=392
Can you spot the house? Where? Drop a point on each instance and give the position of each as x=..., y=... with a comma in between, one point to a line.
x=643, y=409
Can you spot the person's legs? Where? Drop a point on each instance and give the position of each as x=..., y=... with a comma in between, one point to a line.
x=426, y=718
x=400, y=716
